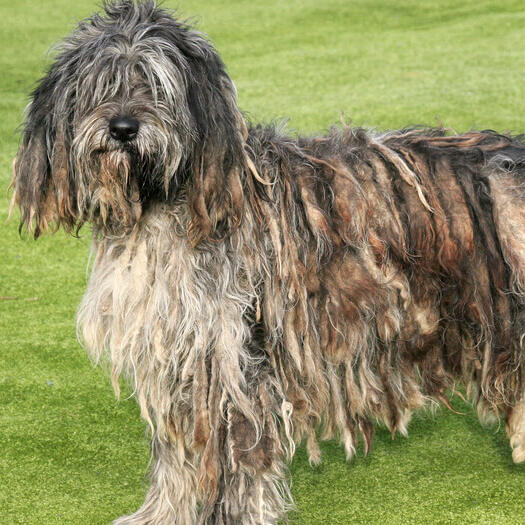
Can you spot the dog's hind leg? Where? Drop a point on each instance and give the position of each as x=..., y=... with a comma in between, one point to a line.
x=516, y=431
x=508, y=194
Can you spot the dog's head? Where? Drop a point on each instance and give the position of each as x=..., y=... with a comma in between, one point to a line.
x=136, y=108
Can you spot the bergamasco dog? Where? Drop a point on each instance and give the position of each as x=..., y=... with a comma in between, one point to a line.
x=256, y=289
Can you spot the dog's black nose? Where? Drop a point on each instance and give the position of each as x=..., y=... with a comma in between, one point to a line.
x=123, y=128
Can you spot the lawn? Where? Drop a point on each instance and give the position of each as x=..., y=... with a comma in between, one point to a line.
x=70, y=453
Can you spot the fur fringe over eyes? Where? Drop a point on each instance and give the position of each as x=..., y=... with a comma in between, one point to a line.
x=258, y=290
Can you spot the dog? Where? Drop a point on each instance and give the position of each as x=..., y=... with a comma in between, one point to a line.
x=259, y=290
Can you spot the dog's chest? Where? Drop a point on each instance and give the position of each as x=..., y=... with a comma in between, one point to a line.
x=152, y=299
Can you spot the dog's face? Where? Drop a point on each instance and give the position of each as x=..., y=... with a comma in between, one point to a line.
x=136, y=108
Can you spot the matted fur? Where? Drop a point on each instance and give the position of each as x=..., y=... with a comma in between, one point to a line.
x=258, y=290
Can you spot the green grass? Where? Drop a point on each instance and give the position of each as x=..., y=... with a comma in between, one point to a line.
x=69, y=453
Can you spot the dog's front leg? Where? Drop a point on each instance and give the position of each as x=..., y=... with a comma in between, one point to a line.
x=171, y=498
x=249, y=481
x=252, y=498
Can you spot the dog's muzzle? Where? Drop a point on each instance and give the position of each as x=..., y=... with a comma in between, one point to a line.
x=123, y=128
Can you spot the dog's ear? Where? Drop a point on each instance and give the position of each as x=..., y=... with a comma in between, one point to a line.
x=41, y=180
x=219, y=156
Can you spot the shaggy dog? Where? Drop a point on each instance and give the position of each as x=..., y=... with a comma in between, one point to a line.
x=258, y=290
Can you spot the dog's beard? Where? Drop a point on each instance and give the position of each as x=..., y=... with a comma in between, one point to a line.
x=115, y=201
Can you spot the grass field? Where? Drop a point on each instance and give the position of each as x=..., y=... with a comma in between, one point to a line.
x=69, y=453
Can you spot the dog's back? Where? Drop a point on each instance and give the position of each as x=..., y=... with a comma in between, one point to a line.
x=410, y=249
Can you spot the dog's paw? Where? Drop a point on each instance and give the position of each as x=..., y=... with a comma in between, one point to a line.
x=517, y=442
x=516, y=432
